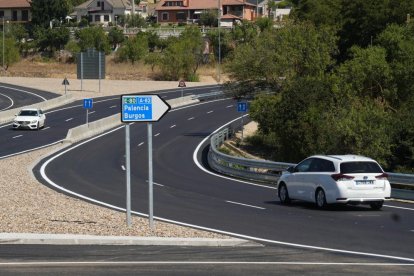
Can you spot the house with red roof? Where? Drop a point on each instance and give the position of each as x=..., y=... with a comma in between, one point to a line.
x=183, y=11
x=18, y=11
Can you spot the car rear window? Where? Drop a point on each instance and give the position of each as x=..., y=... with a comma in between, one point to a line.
x=360, y=167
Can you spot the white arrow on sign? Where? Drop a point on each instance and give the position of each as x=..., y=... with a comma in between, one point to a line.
x=143, y=108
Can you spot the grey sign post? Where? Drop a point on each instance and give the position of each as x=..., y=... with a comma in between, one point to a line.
x=87, y=104
x=65, y=83
x=144, y=108
x=128, y=174
x=181, y=84
x=242, y=107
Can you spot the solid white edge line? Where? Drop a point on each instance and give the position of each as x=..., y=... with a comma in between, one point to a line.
x=12, y=102
x=197, y=263
x=24, y=91
x=29, y=150
x=247, y=205
x=397, y=207
x=43, y=174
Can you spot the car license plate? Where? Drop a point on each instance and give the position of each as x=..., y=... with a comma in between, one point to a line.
x=364, y=182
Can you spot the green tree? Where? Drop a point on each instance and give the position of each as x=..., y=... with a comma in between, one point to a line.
x=182, y=57
x=208, y=18
x=115, y=37
x=51, y=39
x=93, y=37
x=11, y=52
x=320, y=13
x=134, y=49
x=278, y=56
x=44, y=11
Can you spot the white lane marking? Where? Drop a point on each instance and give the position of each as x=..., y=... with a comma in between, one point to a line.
x=70, y=119
x=24, y=91
x=45, y=128
x=196, y=263
x=155, y=183
x=140, y=144
x=247, y=205
x=224, y=177
x=157, y=134
x=173, y=126
x=123, y=168
x=10, y=99
x=112, y=106
x=91, y=112
x=229, y=106
x=17, y=136
x=211, y=111
x=396, y=207
x=189, y=119
x=44, y=176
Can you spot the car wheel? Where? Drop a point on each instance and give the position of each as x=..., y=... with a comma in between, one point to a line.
x=320, y=198
x=376, y=205
x=284, y=194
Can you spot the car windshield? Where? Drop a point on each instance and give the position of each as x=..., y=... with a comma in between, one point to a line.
x=360, y=167
x=28, y=113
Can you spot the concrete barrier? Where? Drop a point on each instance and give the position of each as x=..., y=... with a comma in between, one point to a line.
x=8, y=115
x=100, y=126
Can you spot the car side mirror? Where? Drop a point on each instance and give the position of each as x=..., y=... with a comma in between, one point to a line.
x=291, y=169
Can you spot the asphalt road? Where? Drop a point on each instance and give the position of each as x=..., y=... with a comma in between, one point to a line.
x=12, y=96
x=185, y=194
x=60, y=120
x=181, y=260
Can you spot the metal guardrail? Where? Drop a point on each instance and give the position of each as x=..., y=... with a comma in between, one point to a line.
x=269, y=171
x=209, y=96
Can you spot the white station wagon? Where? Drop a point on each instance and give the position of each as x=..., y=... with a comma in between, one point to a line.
x=326, y=179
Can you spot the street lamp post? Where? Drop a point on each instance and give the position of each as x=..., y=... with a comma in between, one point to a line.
x=3, y=43
x=219, y=40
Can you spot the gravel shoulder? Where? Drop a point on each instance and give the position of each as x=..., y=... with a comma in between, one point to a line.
x=30, y=207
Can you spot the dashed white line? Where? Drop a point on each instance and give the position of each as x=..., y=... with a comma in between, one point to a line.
x=173, y=126
x=91, y=112
x=157, y=134
x=229, y=106
x=70, y=119
x=247, y=205
x=17, y=136
x=45, y=128
x=140, y=144
x=189, y=119
x=211, y=111
x=155, y=183
x=112, y=106
x=123, y=167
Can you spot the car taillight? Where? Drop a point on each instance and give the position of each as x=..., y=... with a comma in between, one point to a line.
x=341, y=177
x=382, y=176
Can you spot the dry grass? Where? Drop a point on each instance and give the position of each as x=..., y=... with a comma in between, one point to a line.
x=36, y=67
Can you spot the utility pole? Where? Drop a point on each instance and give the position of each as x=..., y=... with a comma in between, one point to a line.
x=3, y=43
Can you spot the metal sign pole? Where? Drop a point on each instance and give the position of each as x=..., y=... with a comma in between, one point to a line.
x=150, y=178
x=81, y=71
x=99, y=67
x=128, y=174
x=87, y=116
x=242, y=127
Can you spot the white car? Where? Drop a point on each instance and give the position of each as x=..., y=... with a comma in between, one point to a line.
x=327, y=179
x=31, y=118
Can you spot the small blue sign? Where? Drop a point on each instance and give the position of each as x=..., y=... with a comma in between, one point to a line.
x=242, y=106
x=87, y=103
x=135, y=108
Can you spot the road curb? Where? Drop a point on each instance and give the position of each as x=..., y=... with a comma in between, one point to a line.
x=68, y=239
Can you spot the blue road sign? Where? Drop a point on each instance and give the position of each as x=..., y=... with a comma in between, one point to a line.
x=87, y=103
x=242, y=106
x=142, y=108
